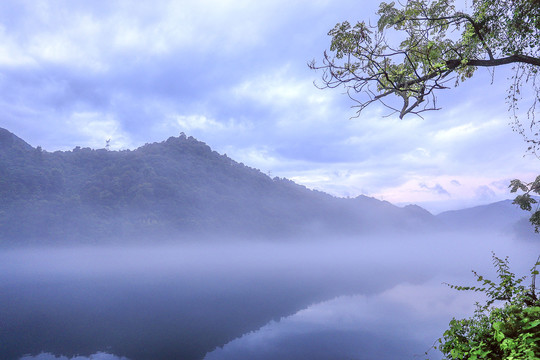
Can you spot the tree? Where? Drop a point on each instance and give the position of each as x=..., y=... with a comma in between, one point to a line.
x=422, y=47
x=435, y=45
x=508, y=331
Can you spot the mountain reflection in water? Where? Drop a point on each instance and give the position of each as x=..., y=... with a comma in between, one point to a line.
x=352, y=298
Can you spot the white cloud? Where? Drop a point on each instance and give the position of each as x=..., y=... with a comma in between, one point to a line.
x=11, y=54
x=292, y=97
x=205, y=127
x=485, y=193
x=96, y=128
x=259, y=157
x=276, y=89
x=88, y=35
x=197, y=122
x=162, y=25
x=65, y=48
x=464, y=132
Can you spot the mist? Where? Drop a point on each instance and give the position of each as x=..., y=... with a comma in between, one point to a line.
x=349, y=297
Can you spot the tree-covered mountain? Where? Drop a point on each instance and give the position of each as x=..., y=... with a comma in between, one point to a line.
x=178, y=186
x=167, y=190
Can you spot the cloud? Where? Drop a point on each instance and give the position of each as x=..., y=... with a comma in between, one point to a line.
x=89, y=35
x=97, y=128
x=437, y=188
x=501, y=185
x=259, y=157
x=485, y=193
x=197, y=122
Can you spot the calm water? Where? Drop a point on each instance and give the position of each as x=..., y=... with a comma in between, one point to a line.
x=349, y=299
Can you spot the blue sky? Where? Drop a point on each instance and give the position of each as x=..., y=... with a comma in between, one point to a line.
x=233, y=73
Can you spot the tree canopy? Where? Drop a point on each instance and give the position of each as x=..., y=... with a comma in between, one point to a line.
x=424, y=46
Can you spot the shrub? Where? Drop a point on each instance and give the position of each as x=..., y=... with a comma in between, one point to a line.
x=507, y=326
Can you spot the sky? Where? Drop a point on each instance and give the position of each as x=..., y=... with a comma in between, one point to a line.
x=234, y=74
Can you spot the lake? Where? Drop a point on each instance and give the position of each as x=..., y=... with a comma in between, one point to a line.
x=354, y=298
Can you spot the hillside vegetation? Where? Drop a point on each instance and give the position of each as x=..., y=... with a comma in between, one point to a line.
x=175, y=187
x=170, y=190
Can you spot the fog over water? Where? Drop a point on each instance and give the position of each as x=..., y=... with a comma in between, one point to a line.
x=339, y=298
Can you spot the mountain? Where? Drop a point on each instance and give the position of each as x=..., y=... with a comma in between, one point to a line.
x=10, y=143
x=181, y=188
x=161, y=190
x=502, y=215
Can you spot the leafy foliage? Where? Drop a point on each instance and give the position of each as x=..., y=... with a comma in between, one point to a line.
x=510, y=331
x=526, y=201
x=431, y=45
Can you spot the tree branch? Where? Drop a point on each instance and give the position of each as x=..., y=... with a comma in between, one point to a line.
x=517, y=58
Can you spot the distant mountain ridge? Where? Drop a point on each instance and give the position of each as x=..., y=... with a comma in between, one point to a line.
x=170, y=189
x=502, y=215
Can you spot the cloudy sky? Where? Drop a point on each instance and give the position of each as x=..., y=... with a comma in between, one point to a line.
x=233, y=73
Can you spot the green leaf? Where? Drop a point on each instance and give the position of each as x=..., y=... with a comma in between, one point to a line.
x=531, y=325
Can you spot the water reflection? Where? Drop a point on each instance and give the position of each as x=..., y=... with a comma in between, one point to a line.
x=399, y=323
x=181, y=302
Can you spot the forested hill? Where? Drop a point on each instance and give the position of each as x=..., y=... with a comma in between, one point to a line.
x=175, y=187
